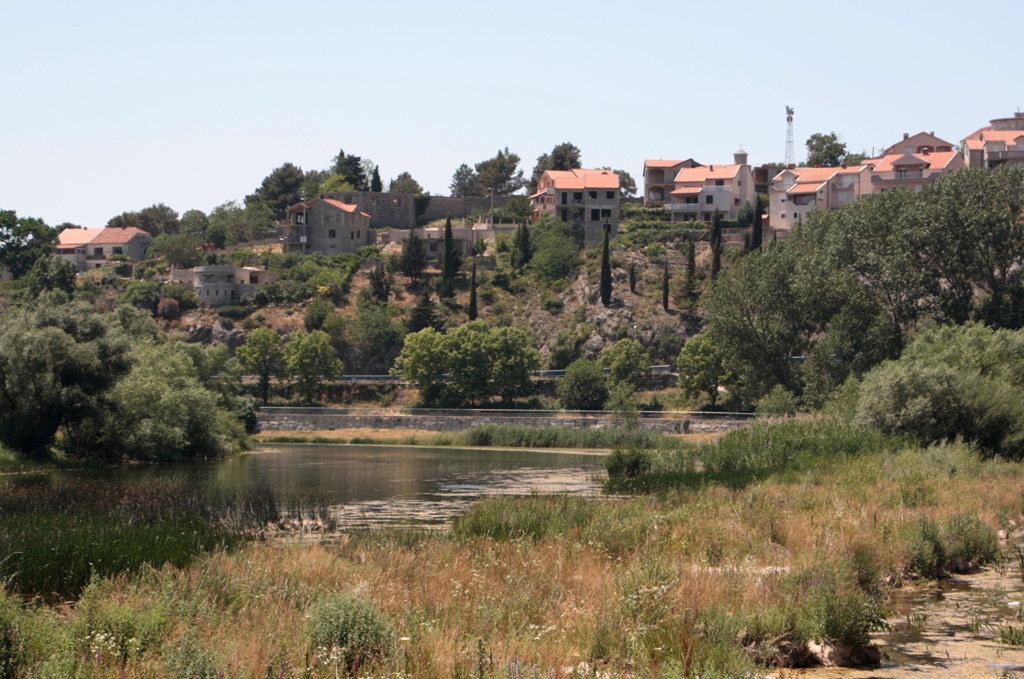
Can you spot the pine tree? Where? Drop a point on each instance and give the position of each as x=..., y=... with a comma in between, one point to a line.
x=664, y=287
x=425, y=314
x=757, y=235
x=451, y=261
x=414, y=256
x=690, y=284
x=632, y=278
x=376, y=185
x=521, y=252
x=716, y=244
x=381, y=281
x=606, y=273
x=472, y=293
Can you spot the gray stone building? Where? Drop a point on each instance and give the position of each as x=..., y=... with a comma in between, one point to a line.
x=327, y=226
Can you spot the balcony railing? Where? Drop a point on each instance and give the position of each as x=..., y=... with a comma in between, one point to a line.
x=682, y=207
x=903, y=176
x=1006, y=155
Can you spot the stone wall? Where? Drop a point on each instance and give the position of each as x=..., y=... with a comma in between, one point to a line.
x=457, y=208
x=269, y=420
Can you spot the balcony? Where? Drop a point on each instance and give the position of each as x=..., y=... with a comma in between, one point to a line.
x=1005, y=156
x=683, y=207
x=904, y=177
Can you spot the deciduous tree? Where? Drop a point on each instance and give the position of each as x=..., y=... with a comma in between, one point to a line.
x=261, y=355
x=309, y=360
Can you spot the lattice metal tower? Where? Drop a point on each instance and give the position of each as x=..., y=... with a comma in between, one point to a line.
x=789, y=136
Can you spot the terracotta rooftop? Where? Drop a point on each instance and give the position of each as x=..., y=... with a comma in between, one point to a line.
x=117, y=235
x=582, y=179
x=811, y=174
x=700, y=174
x=658, y=162
x=687, y=190
x=806, y=187
x=929, y=160
x=72, y=237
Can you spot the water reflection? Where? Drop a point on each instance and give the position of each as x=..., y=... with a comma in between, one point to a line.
x=386, y=485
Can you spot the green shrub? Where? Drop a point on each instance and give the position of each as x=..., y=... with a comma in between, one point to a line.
x=12, y=643
x=189, y=660
x=834, y=608
x=779, y=402
x=553, y=305
x=233, y=312
x=584, y=386
x=927, y=554
x=535, y=517
x=968, y=543
x=352, y=629
x=316, y=313
x=628, y=463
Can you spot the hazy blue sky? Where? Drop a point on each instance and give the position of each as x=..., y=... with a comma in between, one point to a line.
x=113, y=106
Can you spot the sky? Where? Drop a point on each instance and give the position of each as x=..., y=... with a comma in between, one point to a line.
x=110, y=106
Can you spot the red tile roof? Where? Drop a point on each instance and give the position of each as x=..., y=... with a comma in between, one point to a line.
x=700, y=174
x=72, y=237
x=118, y=235
x=582, y=179
x=347, y=207
x=687, y=190
x=930, y=160
x=808, y=187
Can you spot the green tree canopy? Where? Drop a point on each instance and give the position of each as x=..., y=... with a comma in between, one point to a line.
x=280, y=189
x=351, y=169
x=628, y=362
x=584, y=386
x=500, y=175
x=825, y=150
x=261, y=355
x=23, y=241
x=700, y=368
x=154, y=220
x=404, y=183
x=194, y=223
x=564, y=156
x=465, y=182
x=309, y=360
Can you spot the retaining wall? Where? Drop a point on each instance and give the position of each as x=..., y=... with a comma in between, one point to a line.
x=271, y=421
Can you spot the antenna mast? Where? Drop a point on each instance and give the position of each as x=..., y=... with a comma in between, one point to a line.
x=789, y=137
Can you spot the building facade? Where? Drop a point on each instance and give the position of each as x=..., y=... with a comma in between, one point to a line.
x=912, y=170
x=586, y=197
x=922, y=142
x=92, y=248
x=1002, y=142
x=699, y=191
x=327, y=226
x=220, y=285
x=797, y=191
x=660, y=179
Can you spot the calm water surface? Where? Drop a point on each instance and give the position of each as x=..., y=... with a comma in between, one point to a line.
x=388, y=485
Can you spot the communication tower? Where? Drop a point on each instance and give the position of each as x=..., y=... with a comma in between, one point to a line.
x=789, y=136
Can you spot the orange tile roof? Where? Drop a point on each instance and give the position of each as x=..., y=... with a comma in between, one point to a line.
x=814, y=174
x=930, y=160
x=1001, y=135
x=347, y=207
x=687, y=190
x=662, y=163
x=117, y=235
x=974, y=144
x=910, y=140
x=977, y=133
x=583, y=179
x=72, y=237
x=807, y=187
x=700, y=174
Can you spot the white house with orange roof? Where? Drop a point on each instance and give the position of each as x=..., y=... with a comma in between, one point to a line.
x=912, y=170
x=660, y=179
x=1001, y=142
x=699, y=191
x=922, y=142
x=91, y=248
x=325, y=225
x=587, y=197
x=798, y=190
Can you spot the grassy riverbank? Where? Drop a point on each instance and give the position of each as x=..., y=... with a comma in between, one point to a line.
x=727, y=557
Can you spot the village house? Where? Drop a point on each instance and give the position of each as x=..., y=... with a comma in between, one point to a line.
x=587, y=197
x=327, y=226
x=220, y=285
x=1001, y=142
x=91, y=248
x=795, y=191
x=699, y=191
x=912, y=170
x=660, y=179
x=922, y=142
x=467, y=237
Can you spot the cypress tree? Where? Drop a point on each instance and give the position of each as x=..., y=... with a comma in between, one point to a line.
x=716, y=244
x=632, y=278
x=375, y=183
x=664, y=287
x=606, y=272
x=521, y=252
x=756, y=234
x=472, y=293
x=451, y=260
x=691, y=271
x=425, y=314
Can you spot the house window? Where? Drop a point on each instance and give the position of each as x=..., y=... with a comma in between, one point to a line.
x=782, y=216
x=842, y=197
x=331, y=233
x=565, y=197
x=565, y=214
x=803, y=200
x=359, y=234
x=117, y=250
x=433, y=246
x=577, y=196
x=709, y=199
x=595, y=215
x=592, y=194
x=719, y=182
x=606, y=213
x=300, y=219
x=610, y=195
x=98, y=252
x=351, y=235
x=782, y=199
x=796, y=215
x=735, y=201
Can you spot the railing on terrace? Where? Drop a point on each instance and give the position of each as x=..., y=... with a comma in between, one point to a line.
x=499, y=413
x=541, y=374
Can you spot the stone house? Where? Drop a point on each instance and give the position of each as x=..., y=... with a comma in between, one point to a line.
x=660, y=179
x=327, y=226
x=220, y=285
x=589, y=197
x=1001, y=142
x=92, y=248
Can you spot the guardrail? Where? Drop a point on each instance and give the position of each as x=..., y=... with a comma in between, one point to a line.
x=396, y=379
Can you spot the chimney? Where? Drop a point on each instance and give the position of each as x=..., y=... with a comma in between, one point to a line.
x=792, y=166
x=711, y=167
x=906, y=135
x=818, y=165
x=843, y=166
x=932, y=133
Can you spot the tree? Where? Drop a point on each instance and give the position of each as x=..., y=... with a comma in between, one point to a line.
x=154, y=220
x=451, y=260
x=261, y=355
x=716, y=244
x=584, y=386
x=180, y=250
x=316, y=313
x=472, y=293
x=690, y=284
x=312, y=183
x=500, y=176
x=513, y=358
x=375, y=183
x=664, y=287
x=627, y=361
x=825, y=150
x=336, y=183
x=280, y=189
x=521, y=251
x=381, y=282
x=555, y=253
x=231, y=223
x=425, y=314
x=565, y=156
x=632, y=278
x=606, y=272
x=351, y=169
x=423, y=362
x=56, y=363
x=465, y=182
x=700, y=368
x=745, y=215
x=50, y=273
x=23, y=241
x=194, y=223
x=377, y=338
x=414, y=256
x=469, y=355
x=309, y=360
x=757, y=233
x=404, y=183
